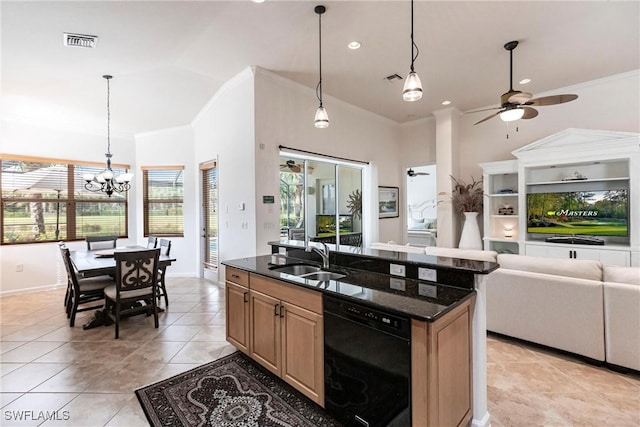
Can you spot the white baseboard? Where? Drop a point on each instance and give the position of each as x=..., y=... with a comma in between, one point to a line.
x=484, y=422
x=32, y=289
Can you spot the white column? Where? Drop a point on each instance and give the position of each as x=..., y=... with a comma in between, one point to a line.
x=447, y=161
x=481, y=417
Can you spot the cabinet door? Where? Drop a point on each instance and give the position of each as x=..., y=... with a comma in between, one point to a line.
x=593, y=254
x=619, y=258
x=541, y=251
x=237, y=316
x=265, y=330
x=302, y=351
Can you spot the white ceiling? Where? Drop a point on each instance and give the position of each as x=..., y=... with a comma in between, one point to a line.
x=168, y=58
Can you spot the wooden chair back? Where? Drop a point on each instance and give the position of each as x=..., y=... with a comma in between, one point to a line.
x=101, y=242
x=152, y=242
x=136, y=270
x=165, y=247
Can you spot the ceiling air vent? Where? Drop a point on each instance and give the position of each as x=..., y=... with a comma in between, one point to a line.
x=393, y=78
x=79, y=40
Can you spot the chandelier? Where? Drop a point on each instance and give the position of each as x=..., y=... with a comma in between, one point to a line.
x=105, y=181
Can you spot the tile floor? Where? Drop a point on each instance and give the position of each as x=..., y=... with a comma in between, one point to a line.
x=89, y=378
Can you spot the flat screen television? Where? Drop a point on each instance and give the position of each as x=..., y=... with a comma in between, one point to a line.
x=327, y=224
x=589, y=213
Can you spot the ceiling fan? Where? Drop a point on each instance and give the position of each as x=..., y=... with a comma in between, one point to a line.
x=515, y=104
x=412, y=173
x=291, y=166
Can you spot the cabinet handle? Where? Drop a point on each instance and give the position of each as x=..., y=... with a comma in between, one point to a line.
x=281, y=311
x=235, y=276
x=246, y=297
x=275, y=310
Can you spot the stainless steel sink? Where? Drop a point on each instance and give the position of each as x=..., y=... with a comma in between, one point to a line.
x=296, y=269
x=323, y=275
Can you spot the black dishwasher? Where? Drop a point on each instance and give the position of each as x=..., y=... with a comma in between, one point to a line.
x=367, y=365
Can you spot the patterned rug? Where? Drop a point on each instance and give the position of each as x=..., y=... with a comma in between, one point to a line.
x=232, y=391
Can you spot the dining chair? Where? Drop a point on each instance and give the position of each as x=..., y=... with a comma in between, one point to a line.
x=80, y=290
x=165, y=249
x=101, y=242
x=152, y=242
x=136, y=280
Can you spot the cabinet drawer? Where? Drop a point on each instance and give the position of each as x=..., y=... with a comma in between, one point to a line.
x=235, y=275
x=305, y=298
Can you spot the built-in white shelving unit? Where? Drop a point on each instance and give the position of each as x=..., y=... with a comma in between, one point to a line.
x=501, y=208
x=574, y=160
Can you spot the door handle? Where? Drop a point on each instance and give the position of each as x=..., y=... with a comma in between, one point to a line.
x=275, y=310
x=281, y=310
x=246, y=297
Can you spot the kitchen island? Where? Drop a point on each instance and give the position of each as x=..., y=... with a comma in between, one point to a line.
x=277, y=318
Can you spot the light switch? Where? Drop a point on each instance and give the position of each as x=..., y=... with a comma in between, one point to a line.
x=397, y=270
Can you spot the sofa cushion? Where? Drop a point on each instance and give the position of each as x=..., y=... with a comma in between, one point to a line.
x=476, y=255
x=628, y=275
x=577, y=268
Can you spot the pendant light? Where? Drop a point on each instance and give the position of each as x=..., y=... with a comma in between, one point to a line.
x=412, y=86
x=322, y=118
x=106, y=182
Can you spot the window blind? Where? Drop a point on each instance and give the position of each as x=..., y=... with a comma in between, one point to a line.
x=210, y=213
x=163, y=198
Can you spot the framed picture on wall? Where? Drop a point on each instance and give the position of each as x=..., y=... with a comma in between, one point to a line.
x=388, y=202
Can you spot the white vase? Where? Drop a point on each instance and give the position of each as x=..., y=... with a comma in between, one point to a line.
x=470, y=237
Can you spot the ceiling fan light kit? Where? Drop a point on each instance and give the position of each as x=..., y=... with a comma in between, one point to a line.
x=321, y=120
x=515, y=104
x=412, y=86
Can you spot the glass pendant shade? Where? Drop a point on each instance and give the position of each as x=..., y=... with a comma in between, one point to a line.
x=512, y=114
x=322, y=118
x=412, y=88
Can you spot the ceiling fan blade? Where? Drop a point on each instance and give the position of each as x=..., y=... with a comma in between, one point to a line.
x=529, y=113
x=552, y=100
x=489, y=117
x=484, y=109
x=520, y=98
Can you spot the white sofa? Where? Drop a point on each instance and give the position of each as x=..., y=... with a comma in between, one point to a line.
x=622, y=316
x=579, y=306
x=557, y=303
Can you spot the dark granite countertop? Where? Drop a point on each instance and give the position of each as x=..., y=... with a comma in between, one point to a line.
x=417, y=299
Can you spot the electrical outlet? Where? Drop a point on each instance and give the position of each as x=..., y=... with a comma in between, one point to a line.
x=282, y=251
x=427, y=274
x=19, y=268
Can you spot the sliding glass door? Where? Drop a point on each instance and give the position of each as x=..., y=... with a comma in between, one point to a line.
x=320, y=201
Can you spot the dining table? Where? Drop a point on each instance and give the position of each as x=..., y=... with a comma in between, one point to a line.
x=102, y=262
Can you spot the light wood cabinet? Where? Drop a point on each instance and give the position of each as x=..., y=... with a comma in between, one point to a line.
x=237, y=310
x=287, y=335
x=441, y=361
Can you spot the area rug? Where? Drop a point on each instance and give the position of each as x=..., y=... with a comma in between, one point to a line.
x=232, y=391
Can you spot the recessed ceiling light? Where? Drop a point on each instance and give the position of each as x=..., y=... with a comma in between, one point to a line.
x=354, y=45
x=258, y=1
x=525, y=81
x=446, y=102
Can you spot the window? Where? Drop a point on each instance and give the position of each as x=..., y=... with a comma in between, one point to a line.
x=163, y=195
x=44, y=200
x=210, y=213
x=320, y=200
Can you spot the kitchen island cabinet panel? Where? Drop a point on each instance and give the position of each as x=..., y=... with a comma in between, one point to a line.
x=237, y=315
x=265, y=331
x=441, y=369
x=303, y=351
x=287, y=335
